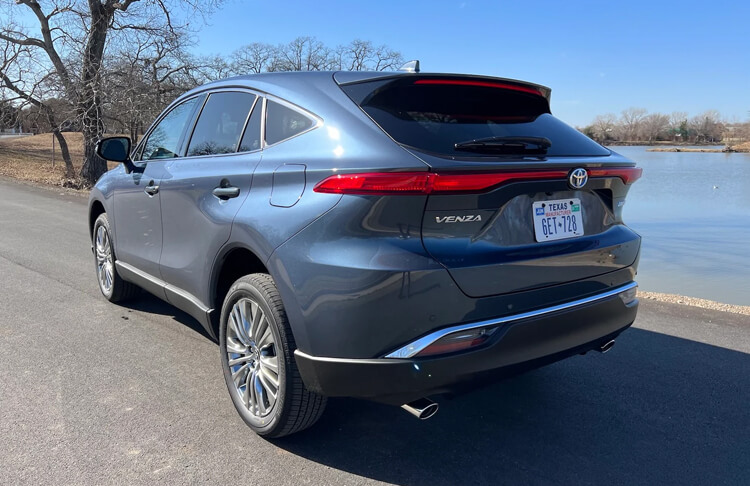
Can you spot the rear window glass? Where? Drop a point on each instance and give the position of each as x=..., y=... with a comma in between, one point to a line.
x=220, y=124
x=435, y=115
x=283, y=122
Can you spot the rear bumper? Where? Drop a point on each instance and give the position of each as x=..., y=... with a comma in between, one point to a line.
x=522, y=342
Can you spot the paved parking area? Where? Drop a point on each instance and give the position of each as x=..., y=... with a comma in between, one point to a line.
x=93, y=393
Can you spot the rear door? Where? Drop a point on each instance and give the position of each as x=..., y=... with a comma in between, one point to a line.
x=520, y=200
x=202, y=192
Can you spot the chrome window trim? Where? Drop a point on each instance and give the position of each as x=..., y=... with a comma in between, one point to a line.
x=413, y=348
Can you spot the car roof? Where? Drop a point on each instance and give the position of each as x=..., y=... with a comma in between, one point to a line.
x=283, y=83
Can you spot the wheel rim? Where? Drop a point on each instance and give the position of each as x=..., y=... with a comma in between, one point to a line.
x=251, y=353
x=104, y=261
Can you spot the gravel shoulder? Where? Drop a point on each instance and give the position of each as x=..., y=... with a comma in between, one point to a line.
x=695, y=302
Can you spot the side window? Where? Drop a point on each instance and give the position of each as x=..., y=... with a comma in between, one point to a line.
x=220, y=123
x=163, y=141
x=283, y=122
x=251, y=138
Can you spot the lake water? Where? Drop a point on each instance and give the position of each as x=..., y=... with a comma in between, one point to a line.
x=693, y=212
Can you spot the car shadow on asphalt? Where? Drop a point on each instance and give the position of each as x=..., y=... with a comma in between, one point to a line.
x=150, y=304
x=656, y=409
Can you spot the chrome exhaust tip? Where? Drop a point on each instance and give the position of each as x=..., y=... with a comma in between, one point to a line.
x=606, y=346
x=423, y=408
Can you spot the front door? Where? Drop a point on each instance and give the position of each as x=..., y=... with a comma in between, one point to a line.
x=137, y=201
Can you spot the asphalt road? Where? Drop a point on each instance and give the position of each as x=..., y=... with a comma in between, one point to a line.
x=94, y=393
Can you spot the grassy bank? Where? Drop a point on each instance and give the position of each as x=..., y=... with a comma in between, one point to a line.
x=685, y=147
x=725, y=150
x=31, y=159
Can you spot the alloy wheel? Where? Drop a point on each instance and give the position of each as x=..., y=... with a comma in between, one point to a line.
x=104, y=260
x=252, y=358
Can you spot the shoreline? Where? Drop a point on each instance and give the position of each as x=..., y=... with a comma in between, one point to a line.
x=695, y=302
x=725, y=150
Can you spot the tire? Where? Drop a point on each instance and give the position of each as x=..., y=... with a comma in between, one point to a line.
x=263, y=342
x=112, y=286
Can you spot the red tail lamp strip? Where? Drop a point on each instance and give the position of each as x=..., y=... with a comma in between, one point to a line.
x=628, y=174
x=406, y=183
x=484, y=84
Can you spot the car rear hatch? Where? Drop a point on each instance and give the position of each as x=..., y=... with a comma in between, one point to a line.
x=518, y=200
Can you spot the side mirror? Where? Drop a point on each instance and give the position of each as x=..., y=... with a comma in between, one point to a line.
x=116, y=149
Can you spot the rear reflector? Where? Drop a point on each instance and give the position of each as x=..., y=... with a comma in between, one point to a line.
x=484, y=84
x=459, y=341
x=407, y=183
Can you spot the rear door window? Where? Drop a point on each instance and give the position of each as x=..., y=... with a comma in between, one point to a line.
x=435, y=114
x=221, y=123
x=283, y=122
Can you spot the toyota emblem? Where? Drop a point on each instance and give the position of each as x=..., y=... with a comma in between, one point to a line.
x=578, y=178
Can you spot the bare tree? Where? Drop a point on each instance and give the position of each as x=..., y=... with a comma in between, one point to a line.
x=138, y=82
x=654, y=126
x=631, y=123
x=361, y=55
x=29, y=88
x=707, y=127
x=603, y=127
x=309, y=54
x=73, y=36
x=253, y=58
x=302, y=54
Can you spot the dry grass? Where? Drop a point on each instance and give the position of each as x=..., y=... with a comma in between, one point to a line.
x=30, y=159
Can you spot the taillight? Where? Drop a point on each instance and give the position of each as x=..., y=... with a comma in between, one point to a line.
x=458, y=341
x=391, y=183
x=406, y=183
x=628, y=174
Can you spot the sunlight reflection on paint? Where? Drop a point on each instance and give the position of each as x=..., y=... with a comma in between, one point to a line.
x=334, y=133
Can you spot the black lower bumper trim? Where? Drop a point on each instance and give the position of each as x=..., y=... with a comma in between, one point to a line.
x=514, y=348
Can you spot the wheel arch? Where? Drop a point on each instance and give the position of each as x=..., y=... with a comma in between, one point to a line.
x=95, y=210
x=233, y=262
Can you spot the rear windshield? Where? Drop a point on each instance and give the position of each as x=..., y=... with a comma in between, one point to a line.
x=434, y=115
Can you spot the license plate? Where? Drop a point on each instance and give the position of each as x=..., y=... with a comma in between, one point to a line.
x=558, y=219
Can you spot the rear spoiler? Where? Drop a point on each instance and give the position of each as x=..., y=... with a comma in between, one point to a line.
x=354, y=77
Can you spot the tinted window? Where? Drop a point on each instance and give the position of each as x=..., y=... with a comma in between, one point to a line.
x=283, y=122
x=434, y=114
x=251, y=138
x=220, y=123
x=163, y=141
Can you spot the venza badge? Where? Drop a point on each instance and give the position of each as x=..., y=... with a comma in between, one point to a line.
x=578, y=178
x=469, y=218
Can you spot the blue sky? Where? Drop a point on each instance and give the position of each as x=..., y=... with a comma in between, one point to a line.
x=597, y=57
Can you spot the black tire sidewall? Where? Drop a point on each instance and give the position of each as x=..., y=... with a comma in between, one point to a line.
x=246, y=287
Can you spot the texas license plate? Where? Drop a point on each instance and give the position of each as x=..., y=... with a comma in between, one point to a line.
x=558, y=219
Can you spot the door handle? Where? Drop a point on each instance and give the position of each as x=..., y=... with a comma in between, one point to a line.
x=226, y=192
x=151, y=189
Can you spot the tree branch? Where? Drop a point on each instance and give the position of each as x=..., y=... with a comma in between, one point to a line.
x=49, y=46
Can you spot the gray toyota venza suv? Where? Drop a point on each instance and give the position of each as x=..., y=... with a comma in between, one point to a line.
x=388, y=236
